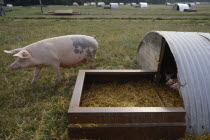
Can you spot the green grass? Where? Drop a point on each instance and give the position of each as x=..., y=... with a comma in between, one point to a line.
x=39, y=111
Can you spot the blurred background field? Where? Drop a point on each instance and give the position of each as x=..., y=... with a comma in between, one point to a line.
x=39, y=111
x=153, y=11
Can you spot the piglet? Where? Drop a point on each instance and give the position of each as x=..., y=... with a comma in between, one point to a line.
x=63, y=51
x=170, y=76
x=175, y=86
x=171, y=81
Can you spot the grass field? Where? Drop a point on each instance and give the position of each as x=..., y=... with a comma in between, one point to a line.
x=39, y=110
x=153, y=11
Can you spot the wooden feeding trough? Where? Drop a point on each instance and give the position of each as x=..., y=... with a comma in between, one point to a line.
x=121, y=122
x=63, y=12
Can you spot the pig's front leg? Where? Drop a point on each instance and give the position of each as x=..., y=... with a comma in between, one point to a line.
x=90, y=64
x=36, y=73
x=57, y=71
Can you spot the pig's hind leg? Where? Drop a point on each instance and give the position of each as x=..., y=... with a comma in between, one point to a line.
x=36, y=73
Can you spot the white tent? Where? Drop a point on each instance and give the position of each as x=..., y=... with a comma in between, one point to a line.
x=75, y=4
x=168, y=4
x=93, y=4
x=133, y=4
x=86, y=4
x=197, y=3
x=101, y=4
x=181, y=7
x=192, y=4
x=121, y=3
x=114, y=5
x=9, y=5
x=143, y=4
x=128, y=4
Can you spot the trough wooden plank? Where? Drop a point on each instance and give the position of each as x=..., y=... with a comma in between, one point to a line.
x=63, y=12
x=128, y=131
x=125, y=117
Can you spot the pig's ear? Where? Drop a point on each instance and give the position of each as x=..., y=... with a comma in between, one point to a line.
x=13, y=51
x=23, y=54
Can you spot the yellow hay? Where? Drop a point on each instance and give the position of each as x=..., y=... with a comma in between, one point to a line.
x=130, y=94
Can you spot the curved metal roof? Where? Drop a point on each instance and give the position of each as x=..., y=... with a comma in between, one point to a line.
x=181, y=7
x=191, y=51
x=143, y=4
x=114, y=5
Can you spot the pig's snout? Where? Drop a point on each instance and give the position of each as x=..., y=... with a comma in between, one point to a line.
x=13, y=67
x=9, y=67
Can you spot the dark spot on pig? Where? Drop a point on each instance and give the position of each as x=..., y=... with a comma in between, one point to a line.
x=76, y=51
x=81, y=51
x=83, y=43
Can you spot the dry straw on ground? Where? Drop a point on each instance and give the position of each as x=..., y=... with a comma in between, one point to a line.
x=131, y=94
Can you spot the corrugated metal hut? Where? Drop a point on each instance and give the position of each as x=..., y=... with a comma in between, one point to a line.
x=143, y=4
x=9, y=5
x=188, y=55
x=168, y=4
x=181, y=7
x=133, y=4
x=92, y=3
x=191, y=4
x=101, y=4
x=86, y=4
x=114, y=5
x=75, y=4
